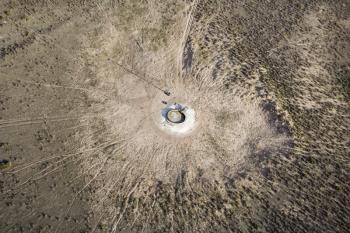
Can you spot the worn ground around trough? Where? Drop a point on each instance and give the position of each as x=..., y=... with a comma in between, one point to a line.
x=270, y=84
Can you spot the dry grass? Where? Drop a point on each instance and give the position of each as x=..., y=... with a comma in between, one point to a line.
x=267, y=84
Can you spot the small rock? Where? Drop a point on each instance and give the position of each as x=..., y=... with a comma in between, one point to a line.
x=4, y=164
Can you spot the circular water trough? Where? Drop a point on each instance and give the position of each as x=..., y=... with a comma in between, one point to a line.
x=178, y=119
x=175, y=116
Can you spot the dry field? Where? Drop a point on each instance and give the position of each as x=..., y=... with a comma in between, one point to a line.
x=80, y=149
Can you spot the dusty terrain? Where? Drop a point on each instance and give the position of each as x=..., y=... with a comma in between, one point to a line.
x=269, y=80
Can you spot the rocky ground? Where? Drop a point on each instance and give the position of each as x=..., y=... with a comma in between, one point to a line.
x=79, y=147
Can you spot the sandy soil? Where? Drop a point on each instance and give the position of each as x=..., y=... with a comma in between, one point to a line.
x=270, y=84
